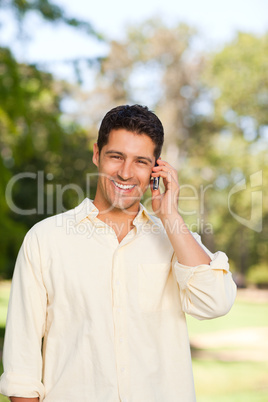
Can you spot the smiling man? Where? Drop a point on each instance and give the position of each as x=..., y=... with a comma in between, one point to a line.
x=98, y=315
x=125, y=167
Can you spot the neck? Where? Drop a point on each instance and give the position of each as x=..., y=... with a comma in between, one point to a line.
x=116, y=215
x=106, y=212
x=121, y=221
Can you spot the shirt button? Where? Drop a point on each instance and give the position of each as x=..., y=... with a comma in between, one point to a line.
x=123, y=369
x=120, y=340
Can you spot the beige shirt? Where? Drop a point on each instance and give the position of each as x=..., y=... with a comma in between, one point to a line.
x=111, y=315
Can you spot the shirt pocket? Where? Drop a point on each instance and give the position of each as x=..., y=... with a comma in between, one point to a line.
x=155, y=286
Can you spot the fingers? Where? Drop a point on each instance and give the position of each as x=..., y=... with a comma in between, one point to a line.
x=161, y=162
x=165, y=170
x=165, y=174
x=163, y=165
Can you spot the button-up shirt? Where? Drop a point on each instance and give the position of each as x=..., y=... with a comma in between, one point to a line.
x=94, y=320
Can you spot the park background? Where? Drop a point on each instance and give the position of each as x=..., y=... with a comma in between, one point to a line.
x=203, y=68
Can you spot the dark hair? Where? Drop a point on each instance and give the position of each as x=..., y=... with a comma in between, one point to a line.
x=137, y=119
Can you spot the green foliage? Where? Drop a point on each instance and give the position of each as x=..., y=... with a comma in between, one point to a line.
x=34, y=138
x=48, y=11
x=239, y=71
x=258, y=275
x=229, y=144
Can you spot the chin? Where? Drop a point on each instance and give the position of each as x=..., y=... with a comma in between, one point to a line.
x=124, y=205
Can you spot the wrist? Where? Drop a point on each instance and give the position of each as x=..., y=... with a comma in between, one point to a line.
x=173, y=221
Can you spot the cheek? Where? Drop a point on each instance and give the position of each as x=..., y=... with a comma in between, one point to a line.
x=111, y=168
x=145, y=178
x=107, y=169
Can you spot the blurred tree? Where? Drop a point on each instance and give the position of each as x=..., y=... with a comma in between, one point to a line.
x=36, y=137
x=21, y=13
x=48, y=11
x=153, y=65
x=229, y=145
x=42, y=152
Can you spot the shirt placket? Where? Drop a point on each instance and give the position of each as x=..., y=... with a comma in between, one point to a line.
x=120, y=319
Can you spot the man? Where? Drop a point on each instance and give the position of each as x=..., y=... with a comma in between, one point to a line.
x=106, y=285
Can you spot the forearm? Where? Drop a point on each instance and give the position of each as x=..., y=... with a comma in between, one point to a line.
x=186, y=248
x=19, y=399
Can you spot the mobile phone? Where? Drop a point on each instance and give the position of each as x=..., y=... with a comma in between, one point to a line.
x=156, y=181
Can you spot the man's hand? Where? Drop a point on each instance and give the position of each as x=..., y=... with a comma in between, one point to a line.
x=165, y=206
x=166, y=203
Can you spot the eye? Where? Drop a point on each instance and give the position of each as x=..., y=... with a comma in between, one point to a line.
x=116, y=157
x=143, y=162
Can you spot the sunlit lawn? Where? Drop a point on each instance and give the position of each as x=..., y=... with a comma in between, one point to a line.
x=243, y=314
x=220, y=381
x=4, y=294
x=231, y=381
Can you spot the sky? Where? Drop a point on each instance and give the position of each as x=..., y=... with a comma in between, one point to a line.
x=216, y=20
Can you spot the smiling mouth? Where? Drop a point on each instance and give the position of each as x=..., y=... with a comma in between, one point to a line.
x=123, y=186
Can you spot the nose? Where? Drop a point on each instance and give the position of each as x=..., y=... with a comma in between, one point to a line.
x=125, y=171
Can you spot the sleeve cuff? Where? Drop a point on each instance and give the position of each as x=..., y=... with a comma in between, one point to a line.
x=13, y=384
x=183, y=273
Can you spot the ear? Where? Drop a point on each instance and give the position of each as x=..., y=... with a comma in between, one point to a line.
x=96, y=155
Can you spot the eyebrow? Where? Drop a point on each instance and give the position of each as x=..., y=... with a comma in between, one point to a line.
x=111, y=151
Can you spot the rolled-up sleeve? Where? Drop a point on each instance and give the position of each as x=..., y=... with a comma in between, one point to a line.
x=207, y=291
x=22, y=358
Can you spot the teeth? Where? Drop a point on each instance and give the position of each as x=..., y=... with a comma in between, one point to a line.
x=123, y=186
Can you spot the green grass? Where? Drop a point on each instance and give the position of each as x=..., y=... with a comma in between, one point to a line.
x=243, y=314
x=4, y=295
x=231, y=381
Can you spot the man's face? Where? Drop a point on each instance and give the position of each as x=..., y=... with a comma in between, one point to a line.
x=125, y=164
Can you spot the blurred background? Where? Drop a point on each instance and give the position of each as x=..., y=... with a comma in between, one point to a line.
x=203, y=68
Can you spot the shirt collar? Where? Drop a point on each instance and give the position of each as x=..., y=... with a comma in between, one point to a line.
x=143, y=216
x=88, y=210
x=84, y=210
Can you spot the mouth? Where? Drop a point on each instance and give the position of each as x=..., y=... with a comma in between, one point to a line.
x=123, y=187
